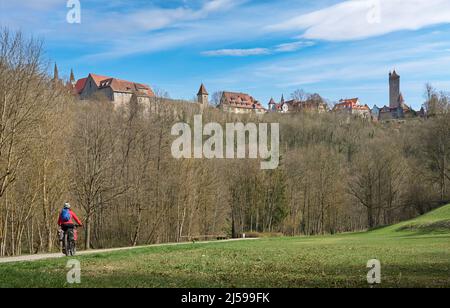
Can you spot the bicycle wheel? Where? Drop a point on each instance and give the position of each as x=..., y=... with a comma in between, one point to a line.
x=73, y=249
x=66, y=245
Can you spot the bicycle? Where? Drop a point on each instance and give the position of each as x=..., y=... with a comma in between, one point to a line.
x=69, y=239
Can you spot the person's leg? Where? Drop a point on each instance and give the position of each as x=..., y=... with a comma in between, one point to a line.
x=61, y=234
x=63, y=242
x=70, y=233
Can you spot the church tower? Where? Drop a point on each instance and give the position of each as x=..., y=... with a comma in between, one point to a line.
x=72, y=78
x=202, y=96
x=394, y=90
x=56, y=73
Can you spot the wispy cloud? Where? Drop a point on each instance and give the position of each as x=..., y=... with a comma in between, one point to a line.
x=281, y=48
x=237, y=52
x=295, y=46
x=358, y=19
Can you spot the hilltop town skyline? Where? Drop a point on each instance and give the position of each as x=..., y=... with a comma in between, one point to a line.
x=339, y=49
x=118, y=85
x=121, y=92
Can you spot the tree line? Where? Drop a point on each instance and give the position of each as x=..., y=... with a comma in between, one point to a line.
x=114, y=165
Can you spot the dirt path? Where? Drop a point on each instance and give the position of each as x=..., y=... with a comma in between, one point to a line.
x=30, y=258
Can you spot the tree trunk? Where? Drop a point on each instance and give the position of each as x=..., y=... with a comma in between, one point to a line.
x=138, y=228
x=87, y=238
x=370, y=216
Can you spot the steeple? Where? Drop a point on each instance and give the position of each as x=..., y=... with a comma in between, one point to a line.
x=72, y=77
x=56, y=73
x=282, y=99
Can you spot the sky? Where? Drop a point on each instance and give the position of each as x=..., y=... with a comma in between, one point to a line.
x=339, y=49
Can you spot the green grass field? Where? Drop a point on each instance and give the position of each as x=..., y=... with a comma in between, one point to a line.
x=413, y=254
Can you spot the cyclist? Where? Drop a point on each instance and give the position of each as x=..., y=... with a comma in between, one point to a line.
x=66, y=221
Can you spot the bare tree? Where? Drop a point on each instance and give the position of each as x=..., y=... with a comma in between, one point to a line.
x=92, y=152
x=215, y=98
x=299, y=95
x=436, y=102
x=26, y=95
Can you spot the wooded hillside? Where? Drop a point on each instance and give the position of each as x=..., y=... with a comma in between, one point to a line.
x=114, y=165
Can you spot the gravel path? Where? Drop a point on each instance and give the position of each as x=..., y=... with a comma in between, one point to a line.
x=30, y=258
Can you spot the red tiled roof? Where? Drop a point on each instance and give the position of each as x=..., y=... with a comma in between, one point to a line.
x=352, y=103
x=118, y=85
x=241, y=100
x=79, y=86
x=98, y=79
x=346, y=104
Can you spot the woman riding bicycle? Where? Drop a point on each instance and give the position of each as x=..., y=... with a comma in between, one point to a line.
x=66, y=221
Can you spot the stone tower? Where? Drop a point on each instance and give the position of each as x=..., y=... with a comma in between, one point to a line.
x=394, y=90
x=202, y=96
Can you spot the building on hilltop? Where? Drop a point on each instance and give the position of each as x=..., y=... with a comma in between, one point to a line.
x=240, y=103
x=273, y=106
x=313, y=104
x=376, y=113
x=203, y=96
x=402, y=111
x=397, y=108
x=116, y=90
x=352, y=107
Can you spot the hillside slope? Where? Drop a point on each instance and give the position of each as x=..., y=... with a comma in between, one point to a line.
x=437, y=221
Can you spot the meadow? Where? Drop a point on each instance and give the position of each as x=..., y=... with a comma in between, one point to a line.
x=415, y=253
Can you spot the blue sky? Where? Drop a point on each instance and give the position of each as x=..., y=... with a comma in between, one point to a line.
x=340, y=49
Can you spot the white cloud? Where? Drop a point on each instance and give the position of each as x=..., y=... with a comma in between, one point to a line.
x=290, y=47
x=358, y=19
x=40, y=5
x=217, y=5
x=157, y=18
x=216, y=24
x=237, y=52
x=287, y=47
